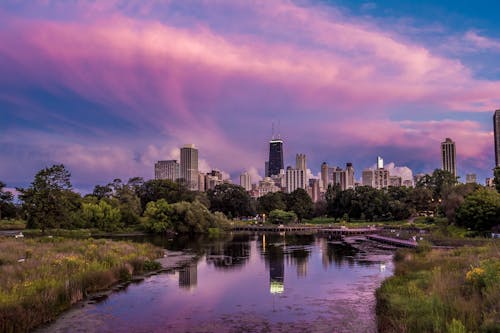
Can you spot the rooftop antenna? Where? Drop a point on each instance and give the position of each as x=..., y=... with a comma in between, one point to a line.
x=279, y=135
x=272, y=137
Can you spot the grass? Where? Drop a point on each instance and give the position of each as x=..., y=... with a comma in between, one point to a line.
x=12, y=224
x=442, y=291
x=41, y=277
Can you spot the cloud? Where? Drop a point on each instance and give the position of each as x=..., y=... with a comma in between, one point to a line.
x=402, y=171
x=481, y=42
x=175, y=77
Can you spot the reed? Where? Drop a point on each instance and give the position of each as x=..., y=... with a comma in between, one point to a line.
x=40, y=278
x=442, y=291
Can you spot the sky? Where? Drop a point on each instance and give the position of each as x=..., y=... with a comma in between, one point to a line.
x=109, y=87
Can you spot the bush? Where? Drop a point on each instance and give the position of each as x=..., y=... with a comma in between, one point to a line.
x=278, y=216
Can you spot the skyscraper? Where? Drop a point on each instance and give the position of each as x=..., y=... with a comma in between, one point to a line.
x=246, y=181
x=275, y=157
x=189, y=166
x=167, y=170
x=295, y=179
x=448, y=154
x=300, y=162
x=324, y=175
x=496, y=130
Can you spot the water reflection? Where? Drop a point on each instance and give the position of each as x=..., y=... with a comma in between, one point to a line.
x=247, y=282
x=188, y=276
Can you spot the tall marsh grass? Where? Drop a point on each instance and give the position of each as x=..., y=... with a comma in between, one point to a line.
x=442, y=291
x=40, y=278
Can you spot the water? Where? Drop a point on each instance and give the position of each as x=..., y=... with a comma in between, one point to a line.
x=248, y=283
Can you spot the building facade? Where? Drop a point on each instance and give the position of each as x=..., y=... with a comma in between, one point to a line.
x=496, y=132
x=167, y=170
x=448, y=156
x=295, y=179
x=324, y=176
x=246, y=181
x=470, y=178
x=275, y=163
x=189, y=166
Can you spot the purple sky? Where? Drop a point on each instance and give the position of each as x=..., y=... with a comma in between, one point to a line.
x=108, y=87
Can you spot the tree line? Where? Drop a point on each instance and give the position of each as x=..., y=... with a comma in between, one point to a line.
x=163, y=205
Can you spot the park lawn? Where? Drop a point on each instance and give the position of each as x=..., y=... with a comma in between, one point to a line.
x=454, y=290
x=12, y=224
x=41, y=277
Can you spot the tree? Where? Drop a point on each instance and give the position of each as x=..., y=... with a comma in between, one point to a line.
x=7, y=208
x=101, y=215
x=271, y=201
x=438, y=182
x=300, y=203
x=156, y=189
x=232, y=200
x=496, y=179
x=50, y=202
x=454, y=197
x=279, y=216
x=158, y=216
x=480, y=210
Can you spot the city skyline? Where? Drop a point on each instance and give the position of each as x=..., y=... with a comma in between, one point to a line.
x=110, y=88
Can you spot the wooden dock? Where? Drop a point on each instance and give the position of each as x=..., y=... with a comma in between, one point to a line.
x=393, y=241
x=348, y=231
x=274, y=228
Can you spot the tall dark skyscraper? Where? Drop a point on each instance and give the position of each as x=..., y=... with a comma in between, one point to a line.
x=448, y=154
x=275, y=157
x=496, y=130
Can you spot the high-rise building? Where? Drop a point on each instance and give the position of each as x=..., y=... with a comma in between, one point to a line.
x=395, y=181
x=300, y=162
x=275, y=163
x=201, y=182
x=339, y=178
x=380, y=178
x=448, y=154
x=212, y=179
x=380, y=162
x=367, y=178
x=295, y=179
x=246, y=181
x=324, y=176
x=189, y=166
x=496, y=131
x=470, y=178
x=167, y=170
x=314, y=189
x=349, y=169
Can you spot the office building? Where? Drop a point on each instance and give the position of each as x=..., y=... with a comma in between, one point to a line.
x=380, y=162
x=295, y=179
x=167, y=170
x=367, y=178
x=275, y=163
x=212, y=179
x=395, y=181
x=344, y=178
x=201, y=182
x=300, y=162
x=470, y=178
x=407, y=183
x=189, y=166
x=496, y=132
x=246, y=181
x=324, y=176
x=313, y=190
x=448, y=156
x=381, y=178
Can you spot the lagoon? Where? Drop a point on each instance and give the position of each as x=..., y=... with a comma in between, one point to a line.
x=247, y=282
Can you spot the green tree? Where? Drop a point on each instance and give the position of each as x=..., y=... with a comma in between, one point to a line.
x=50, y=202
x=7, y=208
x=232, y=200
x=158, y=216
x=496, y=178
x=300, y=203
x=101, y=215
x=279, y=216
x=156, y=189
x=439, y=182
x=480, y=210
x=454, y=197
x=270, y=202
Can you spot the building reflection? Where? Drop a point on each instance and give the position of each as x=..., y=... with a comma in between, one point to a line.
x=337, y=253
x=229, y=254
x=188, y=276
x=281, y=249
